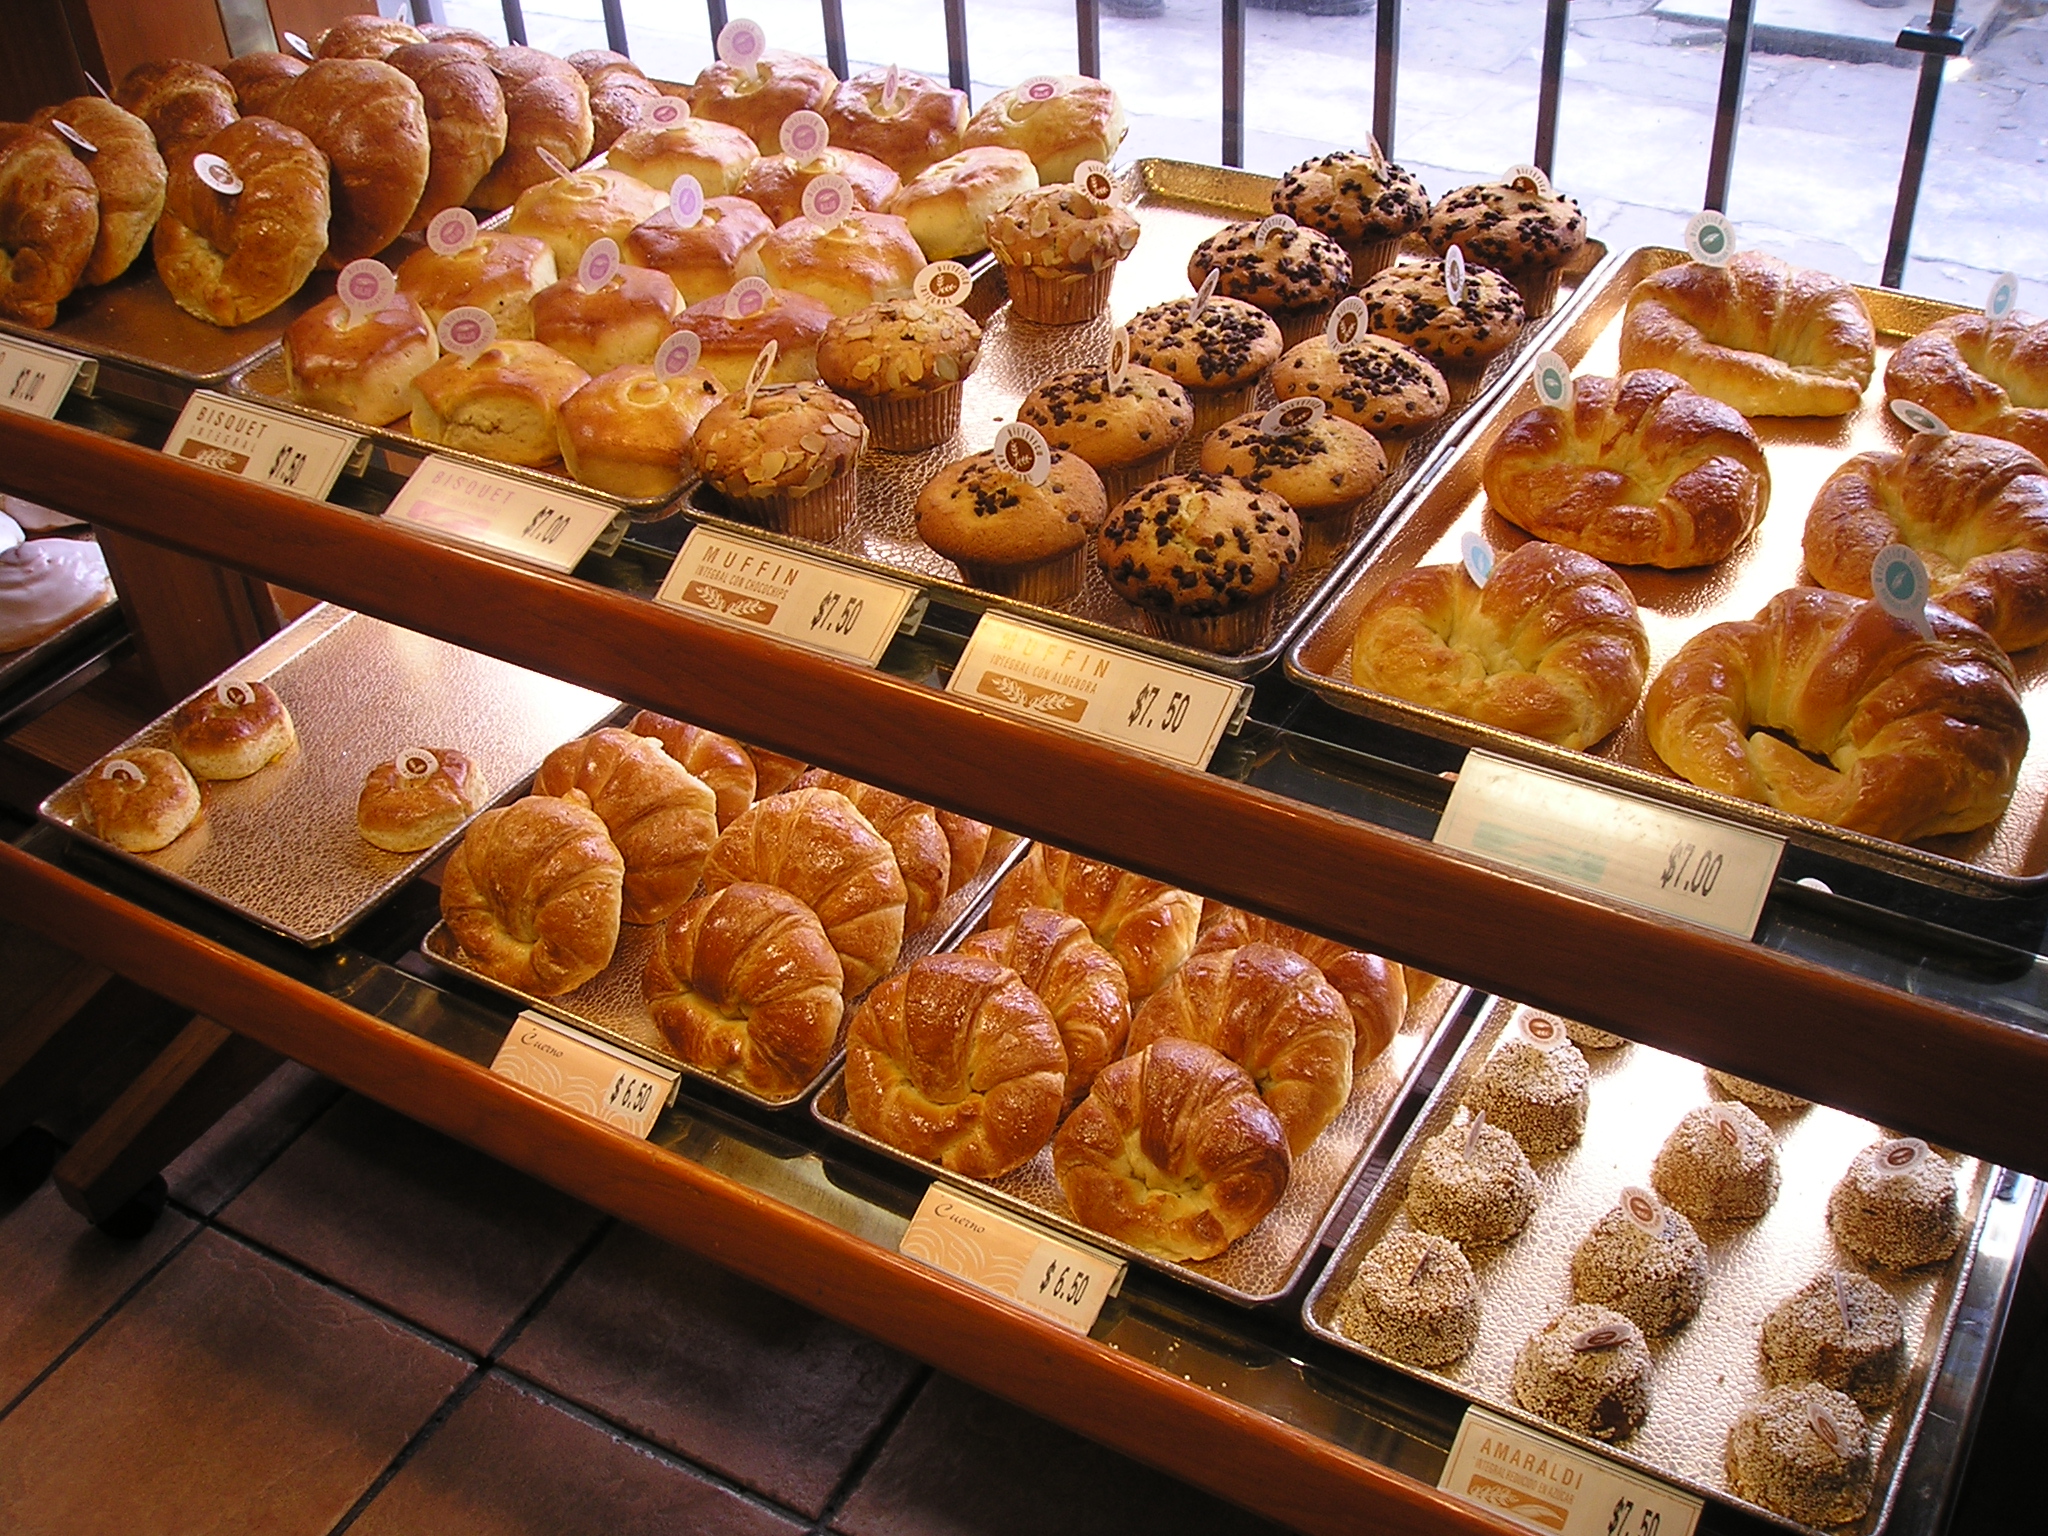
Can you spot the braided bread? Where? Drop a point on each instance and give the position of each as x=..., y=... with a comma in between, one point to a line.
x=1149, y=927
x=1979, y=375
x=1081, y=985
x=532, y=894
x=662, y=817
x=1375, y=991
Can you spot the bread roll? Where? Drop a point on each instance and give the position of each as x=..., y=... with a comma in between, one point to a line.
x=845, y=266
x=498, y=273
x=1147, y=925
x=717, y=154
x=923, y=856
x=619, y=93
x=775, y=183
x=366, y=37
x=573, y=213
x=362, y=370
x=1374, y=990
x=232, y=730
x=1079, y=981
x=371, y=123
x=662, y=817
x=184, y=102
x=260, y=78
x=501, y=404
x=757, y=101
x=702, y=260
x=919, y=127
x=1173, y=1152
x=402, y=809
x=628, y=432
x=547, y=106
x=955, y=1061
x=462, y=37
x=795, y=322
x=948, y=204
x=466, y=122
x=718, y=760
x=616, y=325
x=130, y=176
x=743, y=984
x=1084, y=121
x=49, y=223
x=1979, y=375
x=231, y=259
x=141, y=800
x=532, y=894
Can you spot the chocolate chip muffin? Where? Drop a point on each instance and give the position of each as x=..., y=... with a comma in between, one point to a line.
x=1392, y=391
x=1522, y=233
x=1010, y=536
x=1204, y=556
x=902, y=361
x=1325, y=469
x=1218, y=358
x=1409, y=303
x=1059, y=248
x=788, y=459
x=1128, y=434
x=1360, y=199
x=1296, y=275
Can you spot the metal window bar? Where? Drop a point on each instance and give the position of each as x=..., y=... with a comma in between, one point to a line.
x=1728, y=104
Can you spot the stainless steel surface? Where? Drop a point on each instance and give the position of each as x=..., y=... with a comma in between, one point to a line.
x=2010, y=855
x=281, y=847
x=1706, y=1371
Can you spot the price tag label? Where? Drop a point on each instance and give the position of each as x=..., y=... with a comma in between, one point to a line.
x=586, y=1074
x=269, y=447
x=534, y=523
x=813, y=602
x=35, y=379
x=1672, y=861
x=1016, y=1260
x=1536, y=1481
x=1118, y=696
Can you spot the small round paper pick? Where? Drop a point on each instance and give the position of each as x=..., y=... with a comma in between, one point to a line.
x=552, y=162
x=415, y=763
x=804, y=136
x=467, y=331
x=1454, y=274
x=2003, y=299
x=891, y=83
x=98, y=89
x=686, y=200
x=1902, y=1155
x=1096, y=179
x=66, y=131
x=741, y=44
x=1919, y=418
x=828, y=200
x=746, y=297
x=1476, y=555
x=121, y=768
x=1606, y=1336
x=217, y=174
x=1474, y=1129
x=1292, y=416
x=943, y=282
x=1710, y=238
x=1552, y=376
x=1725, y=1125
x=1538, y=1029
x=1528, y=178
x=1119, y=357
x=757, y=376
x=1204, y=294
x=1348, y=321
x=1034, y=93
x=1642, y=1210
x=451, y=230
x=663, y=112
x=364, y=287
x=1829, y=1431
x=598, y=265
x=297, y=44
x=1022, y=450
x=234, y=694
x=1898, y=585
x=677, y=355
x=1272, y=224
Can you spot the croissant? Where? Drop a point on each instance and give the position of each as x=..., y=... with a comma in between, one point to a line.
x=967, y=841
x=923, y=854
x=954, y=1060
x=1768, y=338
x=1979, y=375
x=663, y=818
x=816, y=846
x=1640, y=471
x=1080, y=983
x=532, y=894
x=1894, y=735
x=1551, y=647
x=744, y=984
x=1173, y=1152
x=1375, y=991
x=719, y=761
x=774, y=773
x=1974, y=508
x=1148, y=926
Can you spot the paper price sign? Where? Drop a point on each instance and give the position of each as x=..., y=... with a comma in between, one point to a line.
x=814, y=603
x=586, y=1074
x=1676, y=862
x=1526, y=1476
x=1118, y=696
x=34, y=380
x=450, y=500
x=269, y=447
x=1016, y=1260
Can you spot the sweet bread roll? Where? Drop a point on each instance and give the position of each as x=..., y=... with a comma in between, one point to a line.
x=662, y=817
x=1640, y=471
x=573, y=213
x=1147, y=925
x=502, y=404
x=955, y=1061
x=231, y=259
x=418, y=798
x=1769, y=338
x=466, y=122
x=702, y=260
x=1552, y=647
x=497, y=273
x=949, y=203
x=1974, y=508
x=1374, y=990
x=547, y=107
x=775, y=183
x=130, y=176
x=183, y=102
x=619, y=92
x=743, y=983
x=141, y=800
x=370, y=122
x=49, y=223
x=756, y=101
x=1174, y=1152
x=359, y=369
x=232, y=730
x=617, y=324
x=366, y=37
x=717, y=154
x=968, y=841
x=795, y=322
x=531, y=894
x=1891, y=734
x=719, y=761
x=628, y=431
x=923, y=856
x=1080, y=983
x=863, y=258
x=462, y=37
x=919, y=126
x=1082, y=121
x=816, y=846
x=1979, y=375
x=1270, y=1011
x=260, y=78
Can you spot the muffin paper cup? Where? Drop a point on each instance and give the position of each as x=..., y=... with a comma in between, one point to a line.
x=914, y=422
x=1537, y=286
x=1297, y=325
x=1119, y=480
x=1048, y=582
x=820, y=515
x=1227, y=634
x=1463, y=379
x=1213, y=407
x=1068, y=299
x=1370, y=256
x=1326, y=531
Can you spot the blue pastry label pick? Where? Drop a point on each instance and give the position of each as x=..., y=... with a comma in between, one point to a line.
x=1710, y=238
x=1477, y=555
x=1898, y=583
x=1553, y=379
x=2004, y=297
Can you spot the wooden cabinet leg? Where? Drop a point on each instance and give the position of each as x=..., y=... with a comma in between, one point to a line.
x=48, y=988
x=191, y=619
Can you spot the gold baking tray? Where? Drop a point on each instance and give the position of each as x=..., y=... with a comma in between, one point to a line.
x=1706, y=1372
x=610, y=1004
x=1177, y=206
x=2008, y=856
x=281, y=847
x=1264, y=1264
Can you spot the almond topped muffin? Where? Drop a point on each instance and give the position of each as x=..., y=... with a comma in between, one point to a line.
x=902, y=362
x=1059, y=248
x=788, y=458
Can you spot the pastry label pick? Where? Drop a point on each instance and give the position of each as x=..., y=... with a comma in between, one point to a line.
x=1292, y=416
x=234, y=694
x=741, y=43
x=416, y=763
x=1725, y=1125
x=1454, y=275
x=663, y=112
x=1096, y=179
x=217, y=174
x=450, y=231
x=764, y=364
x=1474, y=1129
x=1477, y=557
x=943, y=282
x=1541, y=1031
x=1919, y=418
x=677, y=355
x=467, y=332
x=551, y=161
x=804, y=136
x=1830, y=1433
x=1421, y=1267
x=364, y=288
x=1552, y=376
x=1842, y=1301
x=1898, y=584
x=1901, y=1155
x=686, y=200
x=1119, y=358
x=2003, y=299
x=1272, y=224
x=891, y=82
x=1032, y=94
x=1710, y=238
x=1348, y=321
x=121, y=768
x=1606, y=1336
x=1204, y=294
x=1528, y=178
x=828, y=200
x=1022, y=450
x=1642, y=1210
x=746, y=298
x=600, y=263
x=66, y=131
x=297, y=44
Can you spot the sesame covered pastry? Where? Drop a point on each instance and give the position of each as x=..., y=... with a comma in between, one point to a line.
x=620, y=321
x=496, y=272
x=1524, y=234
x=1392, y=391
x=1537, y=1096
x=1804, y=1451
x=1128, y=434
x=717, y=154
x=1472, y=1183
x=1409, y=304
x=1720, y=1163
x=1010, y=536
x=844, y=266
x=500, y=404
x=795, y=322
x=1204, y=556
x=919, y=126
x=776, y=182
x=1218, y=358
x=573, y=213
x=1360, y=199
x=757, y=100
x=1325, y=471
x=1081, y=121
x=1841, y=1329
x=902, y=362
x=701, y=259
x=1897, y=1206
x=1654, y=1272
x=1294, y=274
x=1414, y=1297
x=949, y=203
x=787, y=458
x=628, y=432
x=1588, y=1371
x=1059, y=248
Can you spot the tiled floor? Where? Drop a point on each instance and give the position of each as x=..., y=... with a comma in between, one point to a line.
x=346, y=1322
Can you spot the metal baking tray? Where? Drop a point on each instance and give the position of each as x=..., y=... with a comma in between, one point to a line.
x=1707, y=1371
x=281, y=847
x=1177, y=205
x=611, y=1004
x=16, y=665
x=2009, y=856
x=1264, y=1264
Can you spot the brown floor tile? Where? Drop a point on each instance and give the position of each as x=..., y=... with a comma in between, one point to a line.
x=676, y=1350
x=438, y=1233
x=230, y=1396
x=510, y=1463
x=213, y=1170
x=58, y=1276
x=963, y=1463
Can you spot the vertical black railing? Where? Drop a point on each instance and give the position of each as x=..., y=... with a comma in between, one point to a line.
x=956, y=43
x=835, y=37
x=615, y=26
x=515, y=22
x=1936, y=44
x=715, y=13
x=1088, y=36
x=1728, y=104
x=1233, y=82
x=1386, y=67
x=1555, y=20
